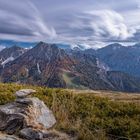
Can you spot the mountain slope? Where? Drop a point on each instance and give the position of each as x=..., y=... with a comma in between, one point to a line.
x=120, y=58
x=48, y=65
x=9, y=54
x=123, y=82
x=40, y=65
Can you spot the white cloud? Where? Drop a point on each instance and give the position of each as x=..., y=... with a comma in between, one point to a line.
x=105, y=24
x=40, y=23
x=64, y=21
x=23, y=21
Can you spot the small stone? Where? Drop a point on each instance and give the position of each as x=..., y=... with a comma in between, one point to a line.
x=24, y=93
x=28, y=117
x=30, y=134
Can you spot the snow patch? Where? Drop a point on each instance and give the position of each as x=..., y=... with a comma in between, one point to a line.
x=27, y=72
x=38, y=68
x=7, y=61
x=28, y=48
x=102, y=65
x=74, y=46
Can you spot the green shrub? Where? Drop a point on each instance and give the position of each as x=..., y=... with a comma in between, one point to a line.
x=85, y=115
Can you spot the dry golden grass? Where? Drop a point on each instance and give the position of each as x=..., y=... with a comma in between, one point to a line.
x=111, y=95
x=87, y=114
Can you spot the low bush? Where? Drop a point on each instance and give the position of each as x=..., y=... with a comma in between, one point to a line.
x=86, y=116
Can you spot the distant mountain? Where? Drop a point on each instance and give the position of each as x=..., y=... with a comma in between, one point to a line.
x=121, y=58
x=9, y=43
x=49, y=65
x=63, y=46
x=69, y=47
x=9, y=54
x=90, y=51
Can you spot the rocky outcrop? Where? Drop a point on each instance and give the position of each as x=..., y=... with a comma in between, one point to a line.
x=28, y=118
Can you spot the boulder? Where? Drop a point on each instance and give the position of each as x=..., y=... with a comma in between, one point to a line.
x=38, y=114
x=23, y=113
x=24, y=93
x=28, y=118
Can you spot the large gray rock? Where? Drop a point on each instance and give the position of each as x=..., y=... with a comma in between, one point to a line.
x=23, y=113
x=28, y=118
x=38, y=114
x=24, y=93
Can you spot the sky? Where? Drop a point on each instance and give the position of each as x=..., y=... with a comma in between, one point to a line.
x=89, y=22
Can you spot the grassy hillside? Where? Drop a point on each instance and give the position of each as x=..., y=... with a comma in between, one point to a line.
x=87, y=114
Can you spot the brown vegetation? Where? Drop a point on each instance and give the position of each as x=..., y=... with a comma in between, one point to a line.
x=95, y=115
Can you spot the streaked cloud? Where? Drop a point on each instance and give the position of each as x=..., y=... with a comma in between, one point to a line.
x=86, y=22
x=21, y=20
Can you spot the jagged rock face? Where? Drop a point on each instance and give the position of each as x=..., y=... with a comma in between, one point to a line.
x=41, y=65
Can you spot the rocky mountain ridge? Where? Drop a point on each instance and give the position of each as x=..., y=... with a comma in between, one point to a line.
x=9, y=54
x=121, y=58
x=51, y=66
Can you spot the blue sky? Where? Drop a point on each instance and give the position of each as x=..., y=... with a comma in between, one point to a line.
x=73, y=21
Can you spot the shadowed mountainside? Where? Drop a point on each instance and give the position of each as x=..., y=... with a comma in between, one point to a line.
x=48, y=65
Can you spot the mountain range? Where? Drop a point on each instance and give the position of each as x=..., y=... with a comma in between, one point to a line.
x=50, y=65
x=117, y=57
x=121, y=58
x=9, y=43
